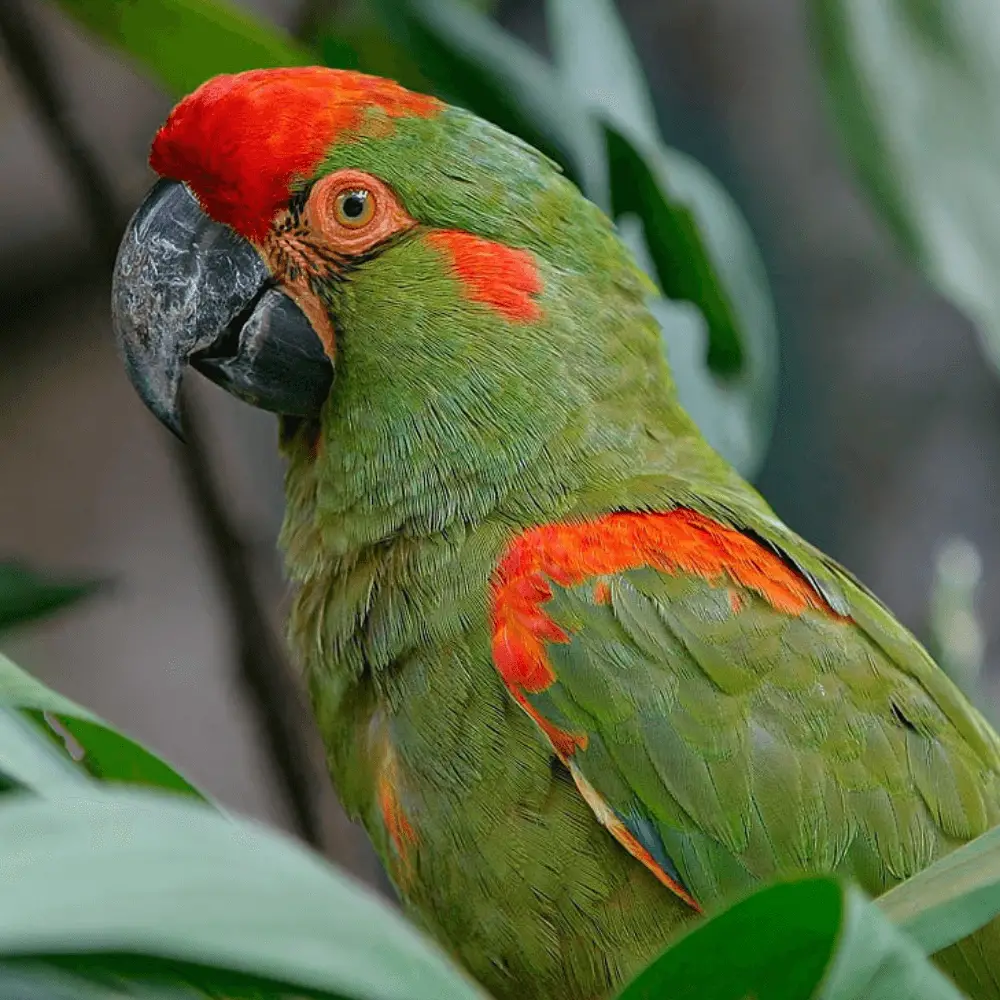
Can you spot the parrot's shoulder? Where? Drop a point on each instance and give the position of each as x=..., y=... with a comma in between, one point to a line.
x=846, y=594
x=732, y=704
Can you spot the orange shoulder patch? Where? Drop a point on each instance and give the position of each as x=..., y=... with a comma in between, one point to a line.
x=680, y=541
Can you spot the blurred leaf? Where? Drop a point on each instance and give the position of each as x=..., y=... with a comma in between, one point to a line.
x=721, y=408
x=126, y=873
x=93, y=746
x=703, y=253
x=473, y=62
x=25, y=596
x=957, y=640
x=915, y=86
x=28, y=760
x=594, y=55
x=701, y=248
x=952, y=898
x=875, y=960
x=794, y=941
x=184, y=42
x=678, y=247
x=33, y=981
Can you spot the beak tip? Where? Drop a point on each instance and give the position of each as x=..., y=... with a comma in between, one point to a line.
x=171, y=419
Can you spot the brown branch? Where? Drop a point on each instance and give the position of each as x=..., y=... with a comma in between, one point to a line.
x=275, y=695
x=262, y=670
x=31, y=65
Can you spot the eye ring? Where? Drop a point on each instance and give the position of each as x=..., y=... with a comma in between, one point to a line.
x=361, y=227
x=354, y=208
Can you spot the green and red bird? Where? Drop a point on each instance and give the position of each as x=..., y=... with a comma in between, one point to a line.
x=577, y=680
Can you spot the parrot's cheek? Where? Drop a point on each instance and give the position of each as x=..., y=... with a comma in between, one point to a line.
x=188, y=290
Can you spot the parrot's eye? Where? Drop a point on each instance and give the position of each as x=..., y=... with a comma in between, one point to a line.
x=355, y=208
x=353, y=211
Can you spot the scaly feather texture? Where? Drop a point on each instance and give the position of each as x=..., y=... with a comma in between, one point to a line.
x=574, y=676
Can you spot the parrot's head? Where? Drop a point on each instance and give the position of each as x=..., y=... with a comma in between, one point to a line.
x=423, y=289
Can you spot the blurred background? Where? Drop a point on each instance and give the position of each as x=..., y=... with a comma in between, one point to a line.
x=884, y=448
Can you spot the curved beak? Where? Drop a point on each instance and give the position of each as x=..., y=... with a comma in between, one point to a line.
x=188, y=290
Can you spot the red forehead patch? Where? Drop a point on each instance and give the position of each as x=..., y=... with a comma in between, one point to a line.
x=239, y=140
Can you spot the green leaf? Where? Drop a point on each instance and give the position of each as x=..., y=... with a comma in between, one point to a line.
x=184, y=42
x=158, y=878
x=952, y=898
x=95, y=748
x=20, y=690
x=473, y=62
x=720, y=408
x=35, y=981
x=663, y=188
x=874, y=960
x=914, y=86
x=594, y=55
x=25, y=596
x=30, y=761
x=735, y=413
x=794, y=941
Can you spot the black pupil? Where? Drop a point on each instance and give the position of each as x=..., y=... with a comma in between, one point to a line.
x=355, y=204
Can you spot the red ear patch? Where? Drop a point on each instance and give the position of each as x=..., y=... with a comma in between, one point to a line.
x=499, y=276
x=239, y=140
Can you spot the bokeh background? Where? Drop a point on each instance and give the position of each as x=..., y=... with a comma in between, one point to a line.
x=885, y=445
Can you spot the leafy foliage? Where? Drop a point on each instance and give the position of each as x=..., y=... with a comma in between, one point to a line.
x=184, y=42
x=951, y=899
x=216, y=903
x=25, y=595
x=914, y=85
x=837, y=947
x=85, y=744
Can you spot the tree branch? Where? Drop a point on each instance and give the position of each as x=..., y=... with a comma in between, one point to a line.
x=28, y=60
x=275, y=696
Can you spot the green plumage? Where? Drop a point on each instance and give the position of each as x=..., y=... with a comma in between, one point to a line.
x=749, y=744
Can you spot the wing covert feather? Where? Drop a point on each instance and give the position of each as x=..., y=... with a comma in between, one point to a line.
x=726, y=722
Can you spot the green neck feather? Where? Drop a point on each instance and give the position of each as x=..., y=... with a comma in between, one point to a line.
x=448, y=421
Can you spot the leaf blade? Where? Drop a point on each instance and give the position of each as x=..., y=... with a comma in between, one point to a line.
x=952, y=898
x=914, y=87
x=29, y=760
x=108, y=754
x=700, y=248
x=129, y=873
x=26, y=596
x=800, y=940
x=185, y=42
x=594, y=54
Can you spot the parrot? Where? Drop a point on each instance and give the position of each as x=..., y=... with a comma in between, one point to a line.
x=579, y=683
